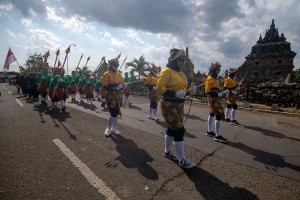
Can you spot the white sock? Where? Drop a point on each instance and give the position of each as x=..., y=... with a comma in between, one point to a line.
x=150, y=112
x=209, y=123
x=227, y=113
x=233, y=114
x=154, y=113
x=217, y=127
x=111, y=122
x=179, y=146
x=168, y=143
x=114, y=125
x=62, y=103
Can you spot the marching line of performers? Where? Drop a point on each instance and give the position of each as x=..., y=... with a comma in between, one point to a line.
x=170, y=84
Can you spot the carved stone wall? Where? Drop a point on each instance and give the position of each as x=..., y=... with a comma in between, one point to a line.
x=270, y=59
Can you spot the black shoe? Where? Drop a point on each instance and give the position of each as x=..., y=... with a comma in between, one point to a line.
x=171, y=156
x=235, y=123
x=227, y=120
x=44, y=102
x=210, y=134
x=220, y=139
x=63, y=108
x=186, y=164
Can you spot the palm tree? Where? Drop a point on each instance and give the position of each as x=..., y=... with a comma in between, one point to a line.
x=138, y=65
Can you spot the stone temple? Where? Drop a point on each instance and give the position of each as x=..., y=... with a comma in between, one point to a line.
x=270, y=59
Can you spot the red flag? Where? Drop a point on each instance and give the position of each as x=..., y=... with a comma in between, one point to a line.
x=58, y=64
x=10, y=58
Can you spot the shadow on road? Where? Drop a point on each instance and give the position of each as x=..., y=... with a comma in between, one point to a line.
x=132, y=156
x=55, y=114
x=210, y=187
x=271, y=161
x=271, y=133
x=133, y=107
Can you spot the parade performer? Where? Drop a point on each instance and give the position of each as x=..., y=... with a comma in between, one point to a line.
x=89, y=89
x=23, y=83
x=32, y=85
x=172, y=85
x=231, y=97
x=212, y=90
x=17, y=83
x=52, y=93
x=62, y=92
x=150, y=84
x=126, y=90
x=103, y=95
x=113, y=82
x=82, y=83
x=43, y=87
x=73, y=87
x=73, y=90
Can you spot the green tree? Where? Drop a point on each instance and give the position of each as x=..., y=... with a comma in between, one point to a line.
x=139, y=66
x=34, y=63
x=297, y=75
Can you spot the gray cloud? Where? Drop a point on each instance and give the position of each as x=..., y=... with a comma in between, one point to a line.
x=26, y=6
x=190, y=22
x=232, y=47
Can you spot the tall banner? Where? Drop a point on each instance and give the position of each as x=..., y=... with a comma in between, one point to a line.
x=10, y=58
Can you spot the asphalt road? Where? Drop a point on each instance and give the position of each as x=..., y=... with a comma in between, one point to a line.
x=47, y=154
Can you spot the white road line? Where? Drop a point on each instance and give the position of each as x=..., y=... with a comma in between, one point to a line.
x=19, y=102
x=86, y=172
x=5, y=87
x=9, y=92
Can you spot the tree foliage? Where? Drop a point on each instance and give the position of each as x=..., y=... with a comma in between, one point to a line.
x=139, y=66
x=297, y=75
x=34, y=63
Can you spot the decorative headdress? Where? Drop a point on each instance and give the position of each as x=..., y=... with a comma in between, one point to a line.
x=233, y=70
x=176, y=54
x=214, y=66
x=114, y=63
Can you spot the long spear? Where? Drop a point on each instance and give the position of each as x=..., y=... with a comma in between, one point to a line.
x=57, y=53
x=87, y=60
x=68, y=50
x=79, y=61
x=46, y=55
x=122, y=63
x=192, y=84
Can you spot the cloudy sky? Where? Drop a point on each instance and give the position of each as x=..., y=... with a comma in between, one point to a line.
x=214, y=30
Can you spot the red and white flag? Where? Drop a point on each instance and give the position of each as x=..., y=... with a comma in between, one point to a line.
x=58, y=64
x=10, y=58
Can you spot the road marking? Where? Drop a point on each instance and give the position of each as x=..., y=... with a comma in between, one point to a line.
x=19, y=102
x=9, y=92
x=5, y=87
x=91, y=177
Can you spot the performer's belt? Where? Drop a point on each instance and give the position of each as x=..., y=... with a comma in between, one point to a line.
x=173, y=100
x=111, y=87
x=150, y=87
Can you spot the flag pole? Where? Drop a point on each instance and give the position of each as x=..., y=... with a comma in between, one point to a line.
x=79, y=61
x=68, y=50
x=57, y=53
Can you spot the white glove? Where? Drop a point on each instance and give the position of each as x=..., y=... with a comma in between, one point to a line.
x=234, y=92
x=119, y=87
x=193, y=89
x=220, y=94
x=180, y=94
